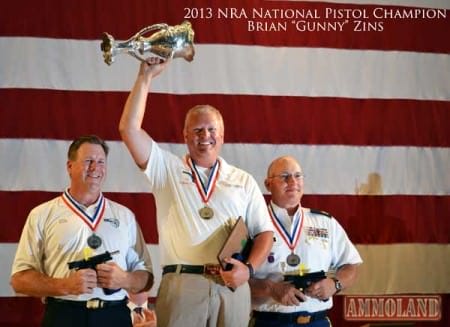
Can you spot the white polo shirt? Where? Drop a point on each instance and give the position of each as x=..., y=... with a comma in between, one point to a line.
x=185, y=237
x=54, y=235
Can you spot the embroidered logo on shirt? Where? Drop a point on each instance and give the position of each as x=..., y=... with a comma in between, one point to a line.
x=113, y=221
x=191, y=177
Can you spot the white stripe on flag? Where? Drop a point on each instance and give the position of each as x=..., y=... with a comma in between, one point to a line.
x=353, y=73
x=330, y=169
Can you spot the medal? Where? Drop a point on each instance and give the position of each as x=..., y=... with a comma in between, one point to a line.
x=291, y=239
x=94, y=241
x=207, y=190
x=293, y=260
x=206, y=212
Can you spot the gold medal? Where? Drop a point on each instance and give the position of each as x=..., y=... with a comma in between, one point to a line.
x=206, y=212
x=207, y=190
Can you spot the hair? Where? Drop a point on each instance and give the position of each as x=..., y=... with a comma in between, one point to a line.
x=201, y=109
x=91, y=139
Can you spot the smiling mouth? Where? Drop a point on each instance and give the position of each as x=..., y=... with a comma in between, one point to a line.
x=204, y=145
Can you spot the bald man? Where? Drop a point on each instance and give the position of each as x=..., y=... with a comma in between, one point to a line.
x=306, y=241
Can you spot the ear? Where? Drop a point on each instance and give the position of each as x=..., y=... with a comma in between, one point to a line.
x=68, y=166
x=267, y=184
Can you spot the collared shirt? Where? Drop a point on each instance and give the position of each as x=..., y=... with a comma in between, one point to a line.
x=54, y=235
x=323, y=245
x=185, y=237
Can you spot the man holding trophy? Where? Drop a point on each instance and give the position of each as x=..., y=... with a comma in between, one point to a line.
x=196, y=196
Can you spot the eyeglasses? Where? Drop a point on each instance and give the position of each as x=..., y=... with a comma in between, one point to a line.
x=285, y=176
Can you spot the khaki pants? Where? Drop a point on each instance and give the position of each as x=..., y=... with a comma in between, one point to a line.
x=193, y=300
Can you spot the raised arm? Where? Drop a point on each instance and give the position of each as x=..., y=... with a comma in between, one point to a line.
x=135, y=138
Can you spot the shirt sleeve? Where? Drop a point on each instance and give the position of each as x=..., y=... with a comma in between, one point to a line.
x=29, y=250
x=343, y=251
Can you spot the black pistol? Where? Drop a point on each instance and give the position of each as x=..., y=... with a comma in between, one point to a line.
x=303, y=281
x=92, y=262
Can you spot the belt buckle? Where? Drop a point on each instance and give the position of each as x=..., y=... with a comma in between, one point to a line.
x=211, y=269
x=94, y=304
x=302, y=320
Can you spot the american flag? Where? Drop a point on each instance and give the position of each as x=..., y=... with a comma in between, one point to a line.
x=358, y=91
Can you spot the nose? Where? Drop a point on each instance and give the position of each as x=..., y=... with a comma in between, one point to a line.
x=290, y=178
x=203, y=132
x=92, y=165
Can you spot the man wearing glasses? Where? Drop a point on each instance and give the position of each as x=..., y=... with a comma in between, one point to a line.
x=311, y=260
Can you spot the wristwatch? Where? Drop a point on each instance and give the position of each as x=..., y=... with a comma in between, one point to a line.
x=251, y=271
x=338, y=285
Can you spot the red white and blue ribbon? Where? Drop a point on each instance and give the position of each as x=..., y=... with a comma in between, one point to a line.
x=205, y=190
x=93, y=221
x=291, y=239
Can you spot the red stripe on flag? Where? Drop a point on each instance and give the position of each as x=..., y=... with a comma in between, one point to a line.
x=367, y=219
x=388, y=219
x=30, y=113
x=85, y=19
x=17, y=206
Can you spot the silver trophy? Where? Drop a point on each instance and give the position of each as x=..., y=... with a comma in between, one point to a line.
x=169, y=42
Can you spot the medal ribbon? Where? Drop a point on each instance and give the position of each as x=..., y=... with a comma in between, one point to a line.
x=205, y=191
x=290, y=240
x=93, y=221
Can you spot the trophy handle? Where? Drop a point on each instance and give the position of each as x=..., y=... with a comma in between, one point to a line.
x=139, y=36
x=148, y=29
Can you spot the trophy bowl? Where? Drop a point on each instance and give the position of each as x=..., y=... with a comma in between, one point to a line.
x=165, y=42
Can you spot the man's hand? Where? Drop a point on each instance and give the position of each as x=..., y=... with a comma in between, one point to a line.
x=237, y=276
x=322, y=290
x=153, y=66
x=147, y=319
x=274, y=287
x=110, y=275
x=286, y=293
x=82, y=281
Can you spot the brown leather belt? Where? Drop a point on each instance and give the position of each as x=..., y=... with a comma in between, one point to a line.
x=300, y=318
x=209, y=269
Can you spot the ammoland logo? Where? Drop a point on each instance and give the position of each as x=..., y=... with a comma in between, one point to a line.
x=393, y=308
